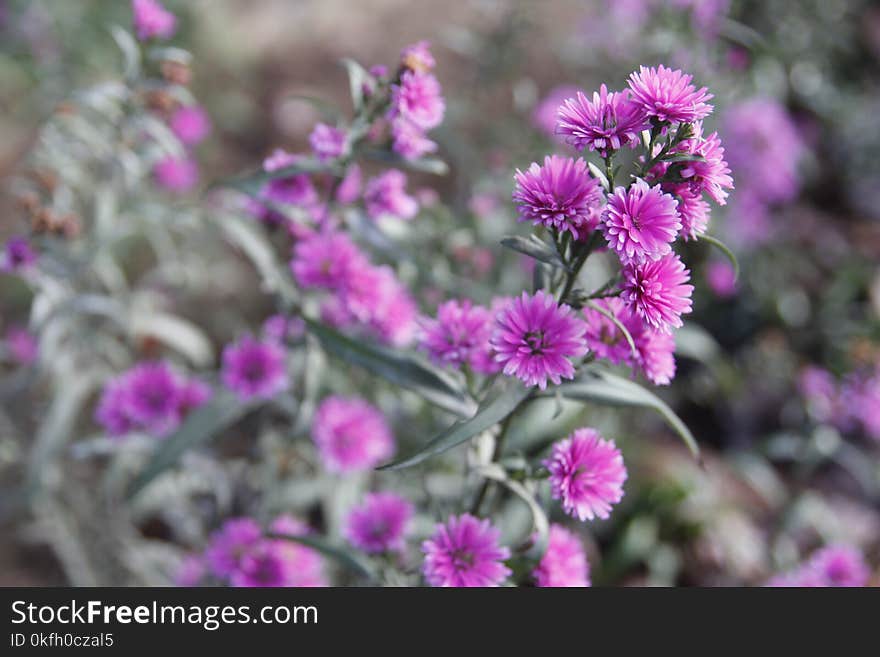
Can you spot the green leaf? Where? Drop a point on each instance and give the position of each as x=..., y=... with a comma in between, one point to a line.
x=534, y=247
x=200, y=426
x=248, y=237
x=424, y=165
x=603, y=387
x=486, y=417
x=341, y=555
x=358, y=76
x=398, y=368
x=540, y=524
x=728, y=253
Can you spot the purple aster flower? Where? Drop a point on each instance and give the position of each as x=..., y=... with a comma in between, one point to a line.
x=17, y=255
x=295, y=189
x=564, y=564
x=385, y=195
x=535, y=338
x=409, y=140
x=152, y=20
x=865, y=399
x=561, y=194
x=587, y=474
x=380, y=523
x=254, y=369
x=546, y=112
x=669, y=95
x=326, y=260
x=721, y=278
x=840, y=565
x=152, y=398
x=261, y=565
x=710, y=174
x=349, y=189
x=658, y=291
x=641, y=222
x=177, y=175
x=191, y=124
x=693, y=210
x=22, y=345
x=229, y=544
x=417, y=98
x=465, y=552
x=460, y=330
x=194, y=393
x=327, y=142
x=417, y=57
x=351, y=435
x=111, y=412
x=605, y=123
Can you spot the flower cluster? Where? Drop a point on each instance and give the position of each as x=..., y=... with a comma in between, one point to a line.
x=835, y=565
x=240, y=554
x=362, y=295
x=151, y=397
x=459, y=335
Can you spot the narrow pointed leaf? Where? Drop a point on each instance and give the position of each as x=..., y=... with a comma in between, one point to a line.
x=358, y=78
x=603, y=387
x=485, y=418
x=533, y=247
x=398, y=368
x=200, y=426
x=340, y=555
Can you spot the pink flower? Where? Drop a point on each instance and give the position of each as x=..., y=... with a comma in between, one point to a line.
x=351, y=435
x=587, y=474
x=349, y=189
x=606, y=123
x=254, y=369
x=326, y=260
x=641, y=222
x=840, y=565
x=460, y=333
x=152, y=20
x=465, y=552
x=668, y=95
x=534, y=339
x=230, y=543
x=295, y=189
x=176, y=174
x=561, y=194
x=385, y=195
x=380, y=523
x=191, y=124
x=710, y=174
x=418, y=57
x=409, y=140
x=22, y=345
x=564, y=564
x=417, y=98
x=17, y=255
x=327, y=142
x=658, y=292
x=693, y=210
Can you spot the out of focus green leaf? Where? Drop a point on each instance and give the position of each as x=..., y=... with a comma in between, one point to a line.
x=200, y=426
x=400, y=369
x=490, y=414
x=341, y=555
x=252, y=184
x=358, y=78
x=246, y=236
x=596, y=385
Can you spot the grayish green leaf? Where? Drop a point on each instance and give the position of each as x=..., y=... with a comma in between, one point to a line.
x=534, y=247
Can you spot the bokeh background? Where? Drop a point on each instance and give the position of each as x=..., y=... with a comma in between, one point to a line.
x=778, y=373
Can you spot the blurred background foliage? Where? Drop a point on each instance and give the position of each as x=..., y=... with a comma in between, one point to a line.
x=777, y=480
